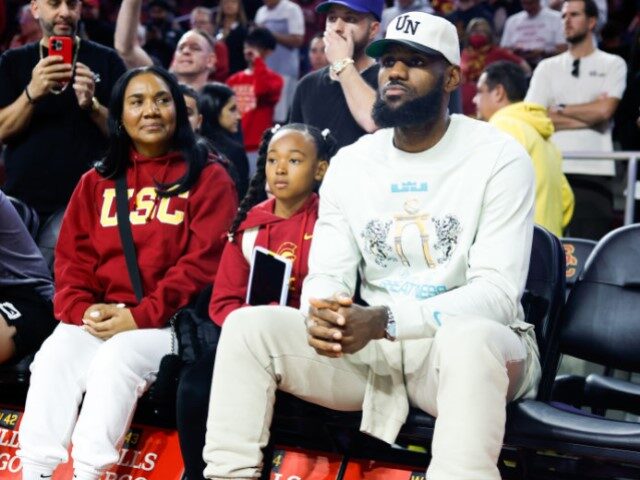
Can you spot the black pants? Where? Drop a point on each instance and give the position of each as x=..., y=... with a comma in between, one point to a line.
x=192, y=409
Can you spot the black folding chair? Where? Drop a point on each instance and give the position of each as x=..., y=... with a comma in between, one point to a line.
x=600, y=323
x=577, y=251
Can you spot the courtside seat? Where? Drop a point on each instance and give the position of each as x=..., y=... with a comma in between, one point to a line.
x=577, y=251
x=600, y=323
x=542, y=302
x=570, y=388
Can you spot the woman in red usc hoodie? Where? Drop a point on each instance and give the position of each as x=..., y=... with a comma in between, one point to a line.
x=108, y=346
x=292, y=160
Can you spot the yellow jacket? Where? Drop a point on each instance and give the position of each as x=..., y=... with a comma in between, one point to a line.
x=529, y=124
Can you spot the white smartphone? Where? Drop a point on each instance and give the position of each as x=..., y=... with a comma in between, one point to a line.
x=269, y=278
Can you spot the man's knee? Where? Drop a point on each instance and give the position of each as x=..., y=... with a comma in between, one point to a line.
x=473, y=338
x=256, y=323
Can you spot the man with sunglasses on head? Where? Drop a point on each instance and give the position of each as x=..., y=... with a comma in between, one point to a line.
x=582, y=88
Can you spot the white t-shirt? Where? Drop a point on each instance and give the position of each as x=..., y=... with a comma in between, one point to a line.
x=552, y=84
x=286, y=18
x=437, y=234
x=542, y=32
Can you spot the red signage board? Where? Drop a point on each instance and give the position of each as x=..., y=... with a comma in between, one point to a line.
x=148, y=453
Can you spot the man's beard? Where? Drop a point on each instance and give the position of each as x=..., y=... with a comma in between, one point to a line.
x=417, y=111
x=48, y=28
x=577, y=38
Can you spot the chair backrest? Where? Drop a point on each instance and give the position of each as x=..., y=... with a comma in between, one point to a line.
x=48, y=236
x=601, y=321
x=577, y=251
x=27, y=214
x=544, y=295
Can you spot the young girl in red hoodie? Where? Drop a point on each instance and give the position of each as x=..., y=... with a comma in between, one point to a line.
x=292, y=160
x=108, y=345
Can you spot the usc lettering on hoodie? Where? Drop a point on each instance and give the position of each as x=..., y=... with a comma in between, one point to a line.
x=289, y=237
x=178, y=241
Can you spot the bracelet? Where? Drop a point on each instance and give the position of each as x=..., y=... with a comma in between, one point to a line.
x=340, y=65
x=26, y=92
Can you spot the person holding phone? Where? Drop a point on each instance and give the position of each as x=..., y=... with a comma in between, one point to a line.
x=108, y=345
x=53, y=117
x=292, y=160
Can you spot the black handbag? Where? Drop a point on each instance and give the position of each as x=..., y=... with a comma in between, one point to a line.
x=191, y=326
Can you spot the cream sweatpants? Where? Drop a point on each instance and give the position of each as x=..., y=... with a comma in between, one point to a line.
x=111, y=374
x=464, y=376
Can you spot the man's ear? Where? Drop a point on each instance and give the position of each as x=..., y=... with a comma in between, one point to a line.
x=211, y=61
x=374, y=28
x=500, y=93
x=34, y=9
x=452, y=78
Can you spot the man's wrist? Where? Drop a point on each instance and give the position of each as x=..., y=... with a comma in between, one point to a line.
x=93, y=106
x=388, y=323
x=30, y=98
x=338, y=66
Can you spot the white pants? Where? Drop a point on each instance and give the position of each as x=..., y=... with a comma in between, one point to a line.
x=113, y=373
x=464, y=376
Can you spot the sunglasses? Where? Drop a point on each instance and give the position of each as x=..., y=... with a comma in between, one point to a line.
x=575, y=68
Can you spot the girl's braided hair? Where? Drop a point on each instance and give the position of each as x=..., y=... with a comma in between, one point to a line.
x=326, y=147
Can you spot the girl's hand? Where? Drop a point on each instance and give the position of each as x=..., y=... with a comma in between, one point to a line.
x=107, y=320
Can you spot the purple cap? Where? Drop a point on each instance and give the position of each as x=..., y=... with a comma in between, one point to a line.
x=373, y=7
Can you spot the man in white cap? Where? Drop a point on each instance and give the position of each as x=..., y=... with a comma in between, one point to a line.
x=435, y=211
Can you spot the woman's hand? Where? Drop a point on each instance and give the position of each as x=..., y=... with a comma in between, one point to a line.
x=105, y=320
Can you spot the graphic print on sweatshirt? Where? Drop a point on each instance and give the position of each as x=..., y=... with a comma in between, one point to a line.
x=148, y=206
x=434, y=237
x=246, y=99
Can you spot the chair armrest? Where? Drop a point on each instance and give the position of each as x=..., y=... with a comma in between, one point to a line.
x=568, y=389
x=612, y=393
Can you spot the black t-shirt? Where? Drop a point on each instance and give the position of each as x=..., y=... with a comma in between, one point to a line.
x=45, y=161
x=319, y=101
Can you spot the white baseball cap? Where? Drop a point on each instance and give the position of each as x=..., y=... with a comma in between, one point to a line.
x=423, y=32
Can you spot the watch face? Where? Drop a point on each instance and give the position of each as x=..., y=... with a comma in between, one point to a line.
x=391, y=330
